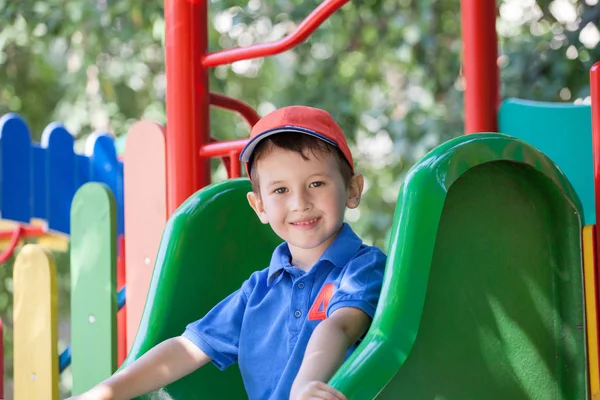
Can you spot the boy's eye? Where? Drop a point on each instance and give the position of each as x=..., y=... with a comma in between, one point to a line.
x=316, y=184
x=280, y=190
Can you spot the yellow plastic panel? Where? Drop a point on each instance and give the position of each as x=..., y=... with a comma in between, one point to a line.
x=591, y=311
x=35, y=325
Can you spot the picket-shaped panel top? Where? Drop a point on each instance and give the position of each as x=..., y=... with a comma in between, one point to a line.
x=39, y=180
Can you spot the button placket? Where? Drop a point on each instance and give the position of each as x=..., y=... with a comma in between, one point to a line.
x=296, y=306
x=300, y=298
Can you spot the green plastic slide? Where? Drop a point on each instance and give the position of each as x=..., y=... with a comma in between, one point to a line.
x=210, y=245
x=483, y=289
x=482, y=296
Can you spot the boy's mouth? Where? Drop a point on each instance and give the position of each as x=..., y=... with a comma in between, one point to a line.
x=305, y=223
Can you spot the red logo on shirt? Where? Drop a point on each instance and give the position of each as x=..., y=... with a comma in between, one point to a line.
x=318, y=311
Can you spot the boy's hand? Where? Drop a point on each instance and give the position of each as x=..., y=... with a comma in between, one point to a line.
x=316, y=390
x=97, y=393
x=164, y=363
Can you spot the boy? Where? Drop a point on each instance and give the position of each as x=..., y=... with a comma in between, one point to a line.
x=291, y=325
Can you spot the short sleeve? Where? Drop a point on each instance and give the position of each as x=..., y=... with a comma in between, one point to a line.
x=360, y=284
x=217, y=334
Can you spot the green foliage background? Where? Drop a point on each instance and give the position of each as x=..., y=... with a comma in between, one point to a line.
x=388, y=70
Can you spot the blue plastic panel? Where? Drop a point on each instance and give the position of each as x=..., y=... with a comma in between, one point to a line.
x=60, y=162
x=562, y=131
x=39, y=180
x=15, y=169
x=106, y=168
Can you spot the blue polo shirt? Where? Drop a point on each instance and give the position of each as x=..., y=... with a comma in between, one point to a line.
x=265, y=325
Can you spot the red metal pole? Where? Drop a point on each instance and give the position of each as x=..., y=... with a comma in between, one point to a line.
x=595, y=97
x=480, y=52
x=303, y=31
x=186, y=42
x=595, y=108
x=234, y=166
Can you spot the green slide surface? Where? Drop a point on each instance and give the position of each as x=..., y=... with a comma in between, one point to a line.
x=210, y=245
x=482, y=296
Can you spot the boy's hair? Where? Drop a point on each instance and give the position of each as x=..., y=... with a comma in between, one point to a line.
x=299, y=143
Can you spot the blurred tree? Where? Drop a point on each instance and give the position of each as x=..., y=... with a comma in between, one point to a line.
x=388, y=70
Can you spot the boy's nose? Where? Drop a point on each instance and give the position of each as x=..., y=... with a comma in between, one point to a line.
x=301, y=202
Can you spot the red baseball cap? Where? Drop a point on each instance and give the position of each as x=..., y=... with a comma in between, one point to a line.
x=302, y=119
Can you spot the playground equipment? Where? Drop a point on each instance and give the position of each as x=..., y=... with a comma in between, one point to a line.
x=487, y=296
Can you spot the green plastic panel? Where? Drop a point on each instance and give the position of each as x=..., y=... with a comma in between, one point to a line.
x=93, y=286
x=210, y=245
x=563, y=131
x=503, y=314
x=482, y=296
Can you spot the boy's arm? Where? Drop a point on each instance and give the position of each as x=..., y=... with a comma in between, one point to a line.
x=326, y=351
x=165, y=363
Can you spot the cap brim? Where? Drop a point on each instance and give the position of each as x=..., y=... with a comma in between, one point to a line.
x=251, y=145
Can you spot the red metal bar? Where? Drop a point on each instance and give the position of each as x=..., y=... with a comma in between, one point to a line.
x=14, y=241
x=229, y=103
x=306, y=27
x=480, y=52
x=186, y=42
x=595, y=108
x=234, y=166
x=27, y=231
x=122, y=313
x=224, y=148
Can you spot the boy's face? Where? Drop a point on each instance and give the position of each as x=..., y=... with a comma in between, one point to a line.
x=303, y=200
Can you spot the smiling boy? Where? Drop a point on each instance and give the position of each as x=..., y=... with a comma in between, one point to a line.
x=290, y=326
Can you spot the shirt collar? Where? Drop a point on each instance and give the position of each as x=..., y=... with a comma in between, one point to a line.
x=340, y=251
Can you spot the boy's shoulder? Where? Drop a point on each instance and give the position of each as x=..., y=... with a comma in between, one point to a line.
x=349, y=249
x=370, y=249
x=367, y=258
x=257, y=278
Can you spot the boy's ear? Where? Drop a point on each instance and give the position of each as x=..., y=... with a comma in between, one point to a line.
x=355, y=188
x=256, y=204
